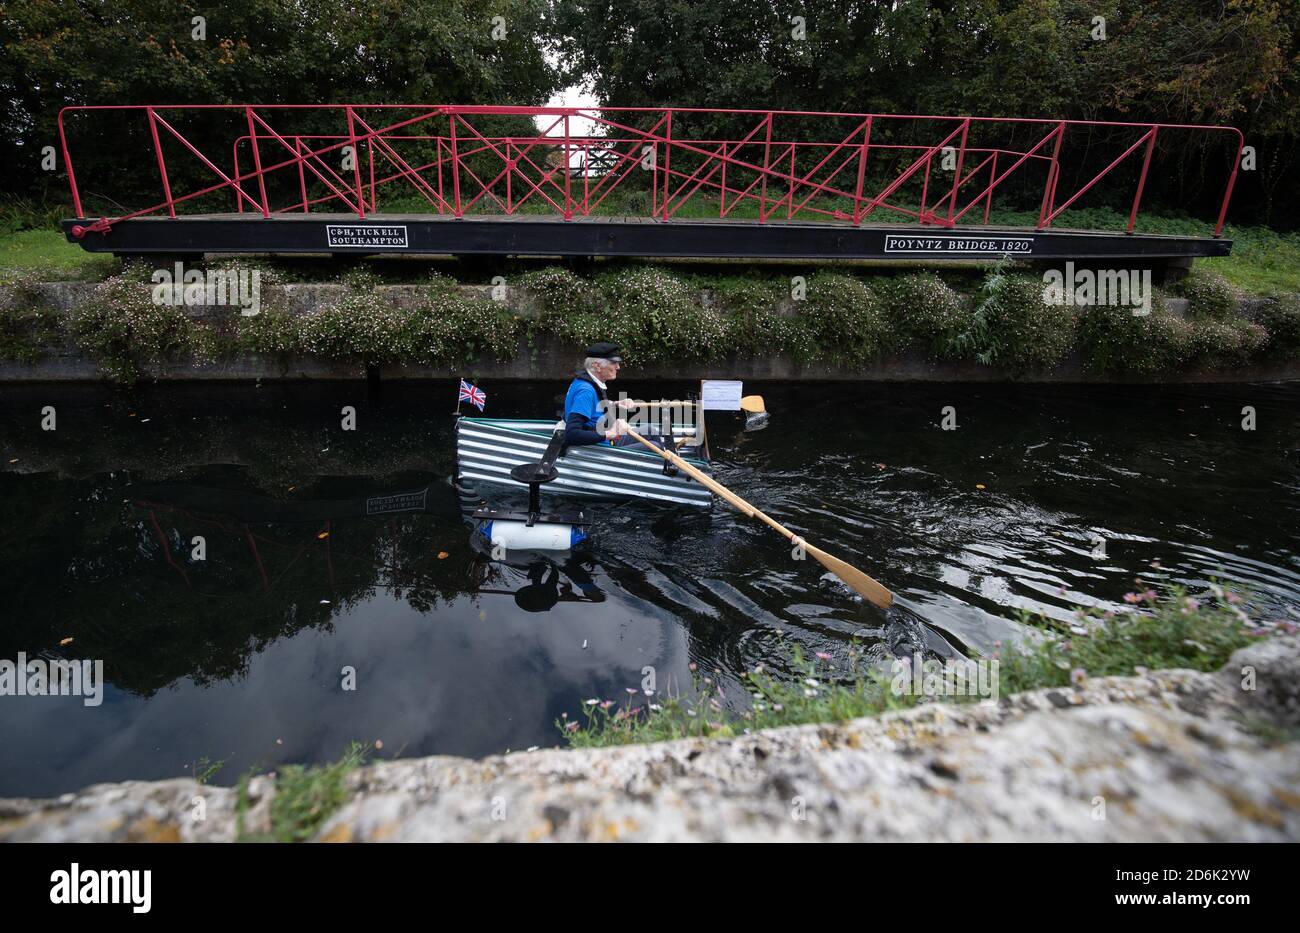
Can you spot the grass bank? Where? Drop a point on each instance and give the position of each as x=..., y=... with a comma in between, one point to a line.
x=1161, y=631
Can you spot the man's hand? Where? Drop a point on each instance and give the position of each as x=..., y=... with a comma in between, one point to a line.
x=626, y=404
x=619, y=428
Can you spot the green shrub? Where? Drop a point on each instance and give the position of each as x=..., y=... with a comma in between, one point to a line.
x=1014, y=327
x=1209, y=295
x=27, y=333
x=1280, y=317
x=446, y=327
x=26, y=213
x=759, y=316
x=659, y=318
x=925, y=313
x=23, y=285
x=1227, y=343
x=361, y=327
x=557, y=291
x=368, y=326
x=124, y=329
x=742, y=296
x=1113, y=339
x=273, y=332
x=28, y=326
x=266, y=273
x=567, y=306
x=842, y=319
x=137, y=270
x=361, y=277
x=761, y=332
x=814, y=691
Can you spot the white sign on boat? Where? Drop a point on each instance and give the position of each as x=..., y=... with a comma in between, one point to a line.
x=721, y=394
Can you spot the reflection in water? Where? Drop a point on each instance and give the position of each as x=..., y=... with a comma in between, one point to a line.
x=324, y=550
x=546, y=583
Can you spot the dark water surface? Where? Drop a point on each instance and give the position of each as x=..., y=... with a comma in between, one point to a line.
x=239, y=657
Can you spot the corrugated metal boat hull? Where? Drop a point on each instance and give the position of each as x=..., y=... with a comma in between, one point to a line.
x=487, y=449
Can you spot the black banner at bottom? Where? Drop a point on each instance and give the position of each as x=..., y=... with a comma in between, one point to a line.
x=236, y=882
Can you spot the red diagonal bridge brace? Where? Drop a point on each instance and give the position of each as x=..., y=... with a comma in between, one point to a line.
x=791, y=162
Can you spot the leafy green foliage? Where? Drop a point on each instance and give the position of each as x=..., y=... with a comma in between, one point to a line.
x=313, y=51
x=28, y=328
x=1181, y=61
x=361, y=327
x=205, y=769
x=659, y=314
x=124, y=329
x=371, y=327
x=1263, y=261
x=1014, y=327
x=926, y=313
x=843, y=318
x=1165, y=630
x=24, y=212
x=274, y=332
x=1209, y=295
x=760, y=315
x=1115, y=340
x=1222, y=344
x=1280, y=317
x=658, y=317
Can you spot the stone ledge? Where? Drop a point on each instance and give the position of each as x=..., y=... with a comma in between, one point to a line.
x=1168, y=752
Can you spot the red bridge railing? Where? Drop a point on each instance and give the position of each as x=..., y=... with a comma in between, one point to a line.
x=578, y=157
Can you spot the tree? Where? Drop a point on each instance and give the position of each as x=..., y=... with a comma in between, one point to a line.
x=56, y=53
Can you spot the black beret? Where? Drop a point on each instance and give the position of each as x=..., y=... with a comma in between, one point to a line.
x=605, y=351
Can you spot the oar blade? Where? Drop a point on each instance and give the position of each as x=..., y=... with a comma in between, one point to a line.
x=873, y=592
x=858, y=581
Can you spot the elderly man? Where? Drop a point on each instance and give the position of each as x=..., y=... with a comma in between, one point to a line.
x=587, y=404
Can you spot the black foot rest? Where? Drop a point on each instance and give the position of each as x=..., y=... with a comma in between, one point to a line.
x=529, y=473
x=670, y=468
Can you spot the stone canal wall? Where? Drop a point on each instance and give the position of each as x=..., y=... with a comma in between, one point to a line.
x=1166, y=756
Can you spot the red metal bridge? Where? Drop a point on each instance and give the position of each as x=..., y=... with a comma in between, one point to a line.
x=622, y=181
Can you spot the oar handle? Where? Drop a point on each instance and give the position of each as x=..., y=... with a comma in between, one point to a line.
x=706, y=481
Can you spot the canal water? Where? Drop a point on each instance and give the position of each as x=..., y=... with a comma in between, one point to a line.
x=1041, y=498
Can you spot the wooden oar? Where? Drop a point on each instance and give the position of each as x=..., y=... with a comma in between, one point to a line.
x=857, y=580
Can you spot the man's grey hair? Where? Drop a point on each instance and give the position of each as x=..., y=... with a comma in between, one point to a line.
x=590, y=363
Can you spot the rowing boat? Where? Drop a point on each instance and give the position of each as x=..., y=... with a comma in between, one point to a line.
x=487, y=449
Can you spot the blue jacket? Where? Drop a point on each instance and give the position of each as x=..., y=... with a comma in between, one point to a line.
x=582, y=411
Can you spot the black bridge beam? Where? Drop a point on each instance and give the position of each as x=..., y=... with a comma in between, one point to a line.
x=540, y=236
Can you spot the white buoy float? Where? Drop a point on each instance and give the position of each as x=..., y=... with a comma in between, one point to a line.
x=517, y=535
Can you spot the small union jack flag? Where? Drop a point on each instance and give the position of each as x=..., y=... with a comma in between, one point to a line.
x=472, y=394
